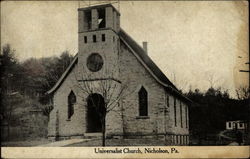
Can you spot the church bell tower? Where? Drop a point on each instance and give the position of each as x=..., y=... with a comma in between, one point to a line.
x=98, y=42
x=98, y=56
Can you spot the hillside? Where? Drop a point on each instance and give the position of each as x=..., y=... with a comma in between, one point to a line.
x=24, y=119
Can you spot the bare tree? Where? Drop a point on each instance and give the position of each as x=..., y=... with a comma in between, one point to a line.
x=243, y=92
x=102, y=90
x=212, y=79
x=180, y=83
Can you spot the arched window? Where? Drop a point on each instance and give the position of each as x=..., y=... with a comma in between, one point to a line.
x=143, y=102
x=71, y=103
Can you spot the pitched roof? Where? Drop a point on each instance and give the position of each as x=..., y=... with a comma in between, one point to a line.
x=142, y=56
x=145, y=58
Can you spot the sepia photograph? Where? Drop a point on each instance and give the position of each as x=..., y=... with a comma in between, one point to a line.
x=124, y=74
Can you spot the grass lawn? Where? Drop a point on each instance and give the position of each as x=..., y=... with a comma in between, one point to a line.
x=90, y=143
x=121, y=142
x=26, y=143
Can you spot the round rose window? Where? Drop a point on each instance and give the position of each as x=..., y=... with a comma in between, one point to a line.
x=94, y=62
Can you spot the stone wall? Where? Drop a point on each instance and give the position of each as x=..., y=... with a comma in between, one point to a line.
x=178, y=129
x=76, y=124
x=160, y=118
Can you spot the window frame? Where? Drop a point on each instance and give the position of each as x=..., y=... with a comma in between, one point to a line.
x=181, y=114
x=175, y=118
x=186, y=115
x=102, y=15
x=85, y=39
x=103, y=37
x=71, y=102
x=95, y=62
x=143, y=102
x=88, y=19
x=240, y=125
x=94, y=38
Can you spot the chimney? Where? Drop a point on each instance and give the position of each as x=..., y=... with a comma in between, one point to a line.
x=145, y=46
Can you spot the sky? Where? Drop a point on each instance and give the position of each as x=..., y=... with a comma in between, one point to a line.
x=197, y=44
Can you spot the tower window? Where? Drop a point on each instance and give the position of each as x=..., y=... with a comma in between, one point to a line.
x=94, y=38
x=101, y=18
x=71, y=103
x=143, y=102
x=103, y=37
x=87, y=19
x=85, y=39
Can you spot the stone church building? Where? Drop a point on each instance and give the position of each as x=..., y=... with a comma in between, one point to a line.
x=149, y=106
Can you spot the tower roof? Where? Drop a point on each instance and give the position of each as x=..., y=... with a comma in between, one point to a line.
x=98, y=7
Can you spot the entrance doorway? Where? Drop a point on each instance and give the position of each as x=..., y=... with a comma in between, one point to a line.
x=95, y=109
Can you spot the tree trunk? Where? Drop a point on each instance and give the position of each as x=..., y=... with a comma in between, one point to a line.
x=103, y=130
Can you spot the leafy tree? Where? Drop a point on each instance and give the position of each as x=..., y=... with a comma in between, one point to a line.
x=54, y=68
x=33, y=78
x=39, y=75
x=9, y=69
x=212, y=109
